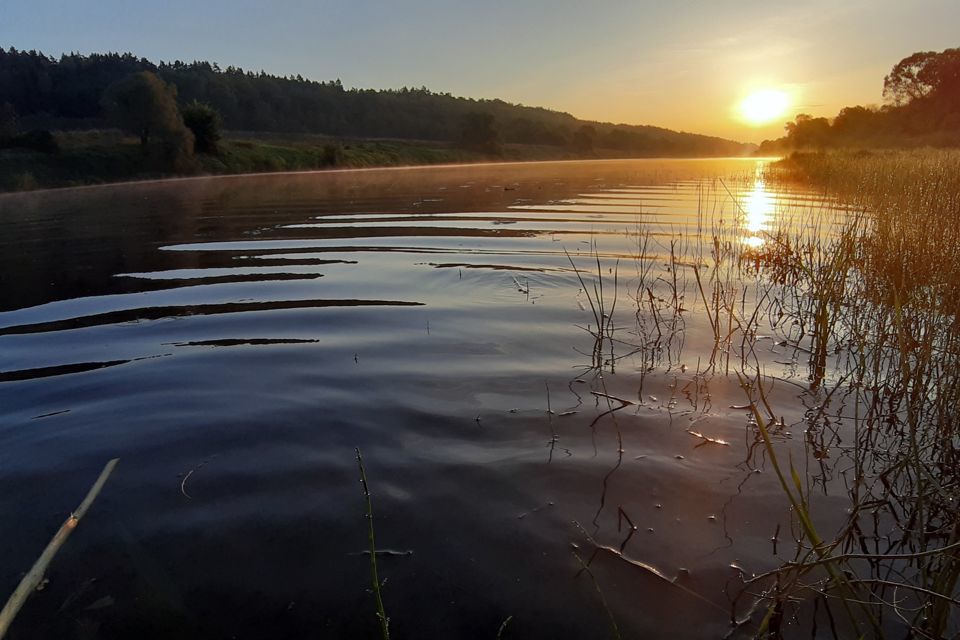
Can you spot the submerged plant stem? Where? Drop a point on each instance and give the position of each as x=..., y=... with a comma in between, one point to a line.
x=374, y=578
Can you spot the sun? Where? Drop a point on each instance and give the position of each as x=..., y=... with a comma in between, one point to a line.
x=764, y=106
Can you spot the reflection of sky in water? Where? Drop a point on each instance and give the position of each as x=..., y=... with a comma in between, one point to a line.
x=758, y=209
x=231, y=316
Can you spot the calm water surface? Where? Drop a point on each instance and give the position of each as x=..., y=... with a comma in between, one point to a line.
x=232, y=340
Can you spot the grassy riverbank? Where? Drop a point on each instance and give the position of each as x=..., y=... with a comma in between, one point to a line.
x=96, y=157
x=99, y=157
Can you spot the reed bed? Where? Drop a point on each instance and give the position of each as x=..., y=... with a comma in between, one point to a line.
x=861, y=288
x=883, y=310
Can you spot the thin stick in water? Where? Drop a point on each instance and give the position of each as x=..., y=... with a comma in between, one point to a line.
x=33, y=578
x=374, y=579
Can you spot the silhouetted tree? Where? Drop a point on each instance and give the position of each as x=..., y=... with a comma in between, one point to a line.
x=332, y=155
x=204, y=121
x=583, y=139
x=477, y=132
x=146, y=106
x=8, y=121
x=68, y=92
x=856, y=123
x=908, y=80
x=35, y=140
x=923, y=74
x=806, y=131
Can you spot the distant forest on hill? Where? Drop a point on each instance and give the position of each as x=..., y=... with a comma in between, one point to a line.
x=67, y=93
x=922, y=94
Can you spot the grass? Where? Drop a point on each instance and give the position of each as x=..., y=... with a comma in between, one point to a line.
x=863, y=291
x=96, y=157
x=375, y=583
x=106, y=156
x=893, y=335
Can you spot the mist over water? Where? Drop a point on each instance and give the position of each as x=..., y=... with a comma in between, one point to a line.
x=232, y=340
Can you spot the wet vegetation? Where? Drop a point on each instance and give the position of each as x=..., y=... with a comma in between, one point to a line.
x=825, y=318
x=867, y=301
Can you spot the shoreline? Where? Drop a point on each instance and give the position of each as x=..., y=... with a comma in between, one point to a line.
x=364, y=169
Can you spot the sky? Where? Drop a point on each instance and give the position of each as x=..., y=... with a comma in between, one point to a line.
x=681, y=64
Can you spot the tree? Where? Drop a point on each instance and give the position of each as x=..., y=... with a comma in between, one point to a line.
x=906, y=81
x=477, y=132
x=68, y=92
x=204, y=121
x=854, y=124
x=8, y=121
x=583, y=139
x=144, y=105
x=922, y=74
x=806, y=131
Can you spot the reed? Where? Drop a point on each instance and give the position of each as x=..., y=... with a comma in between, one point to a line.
x=375, y=583
x=864, y=291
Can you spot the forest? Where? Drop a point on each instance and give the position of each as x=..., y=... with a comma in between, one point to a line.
x=67, y=93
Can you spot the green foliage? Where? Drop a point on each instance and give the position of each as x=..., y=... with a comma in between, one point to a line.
x=36, y=140
x=204, y=121
x=332, y=155
x=478, y=133
x=23, y=182
x=583, y=139
x=807, y=131
x=8, y=121
x=146, y=106
x=67, y=92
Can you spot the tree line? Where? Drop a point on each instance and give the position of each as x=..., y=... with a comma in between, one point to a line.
x=921, y=107
x=69, y=93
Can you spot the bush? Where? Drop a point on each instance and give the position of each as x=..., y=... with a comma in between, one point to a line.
x=35, y=140
x=8, y=121
x=204, y=121
x=478, y=133
x=332, y=155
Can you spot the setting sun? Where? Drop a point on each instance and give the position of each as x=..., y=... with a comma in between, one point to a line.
x=764, y=106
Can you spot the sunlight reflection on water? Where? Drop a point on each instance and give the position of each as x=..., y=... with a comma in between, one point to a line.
x=758, y=209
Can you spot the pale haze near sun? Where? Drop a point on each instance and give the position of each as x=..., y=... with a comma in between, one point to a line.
x=685, y=65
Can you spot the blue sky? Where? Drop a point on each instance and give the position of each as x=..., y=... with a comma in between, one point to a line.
x=681, y=64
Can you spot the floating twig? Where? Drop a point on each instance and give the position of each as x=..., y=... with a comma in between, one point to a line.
x=610, y=397
x=183, y=483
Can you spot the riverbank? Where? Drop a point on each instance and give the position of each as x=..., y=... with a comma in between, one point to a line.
x=101, y=157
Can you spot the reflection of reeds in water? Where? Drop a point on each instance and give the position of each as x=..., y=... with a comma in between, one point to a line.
x=867, y=296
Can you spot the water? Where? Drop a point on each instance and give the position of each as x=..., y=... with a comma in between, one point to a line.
x=232, y=340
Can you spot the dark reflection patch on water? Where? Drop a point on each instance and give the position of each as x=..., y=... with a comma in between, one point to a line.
x=465, y=379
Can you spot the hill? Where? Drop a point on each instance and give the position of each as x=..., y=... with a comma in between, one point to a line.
x=67, y=93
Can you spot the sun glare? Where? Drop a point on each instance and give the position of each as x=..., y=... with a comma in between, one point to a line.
x=764, y=106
